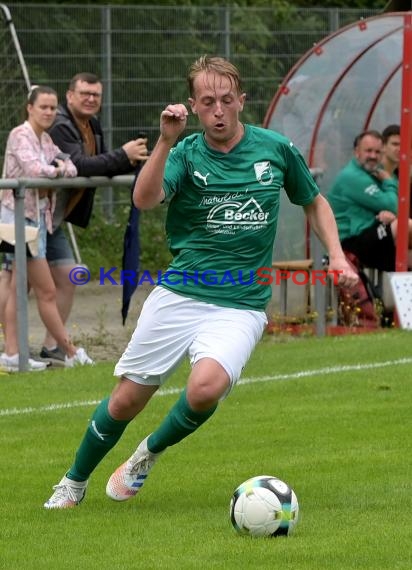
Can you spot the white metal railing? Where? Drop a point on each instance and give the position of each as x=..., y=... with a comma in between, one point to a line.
x=19, y=186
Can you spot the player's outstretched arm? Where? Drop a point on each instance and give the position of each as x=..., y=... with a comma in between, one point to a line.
x=148, y=190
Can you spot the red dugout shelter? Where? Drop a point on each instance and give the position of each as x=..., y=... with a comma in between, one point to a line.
x=358, y=78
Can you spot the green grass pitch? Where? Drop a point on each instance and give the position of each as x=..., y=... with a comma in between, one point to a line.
x=332, y=417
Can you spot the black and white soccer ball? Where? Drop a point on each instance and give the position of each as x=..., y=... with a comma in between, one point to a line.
x=264, y=506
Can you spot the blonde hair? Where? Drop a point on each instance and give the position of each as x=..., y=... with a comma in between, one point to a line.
x=214, y=64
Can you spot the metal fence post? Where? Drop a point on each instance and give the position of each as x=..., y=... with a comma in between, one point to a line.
x=21, y=277
x=334, y=19
x=318, y=252
x=107, y=108
x=320, y=289
x=226, y=31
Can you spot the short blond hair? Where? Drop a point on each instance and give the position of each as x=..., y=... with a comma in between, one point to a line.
x=214, y=64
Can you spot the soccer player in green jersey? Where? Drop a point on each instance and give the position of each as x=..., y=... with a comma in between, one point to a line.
x=223, y=187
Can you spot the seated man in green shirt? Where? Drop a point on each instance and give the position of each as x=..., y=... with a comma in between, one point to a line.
x=364, y=199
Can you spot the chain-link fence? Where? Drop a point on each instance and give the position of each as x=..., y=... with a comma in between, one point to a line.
x=142, y=54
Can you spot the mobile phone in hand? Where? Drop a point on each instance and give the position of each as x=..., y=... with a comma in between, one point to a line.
x=62, y=156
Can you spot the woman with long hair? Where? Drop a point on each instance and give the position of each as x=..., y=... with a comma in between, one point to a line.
x=31, y=153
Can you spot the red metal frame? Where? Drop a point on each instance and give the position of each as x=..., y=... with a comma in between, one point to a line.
x=379, y=95
x=402, y=242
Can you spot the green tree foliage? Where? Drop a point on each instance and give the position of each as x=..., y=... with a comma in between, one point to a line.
x=370, y=4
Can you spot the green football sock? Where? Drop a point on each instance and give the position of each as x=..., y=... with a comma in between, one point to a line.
x=180, y=422
x=101, y=435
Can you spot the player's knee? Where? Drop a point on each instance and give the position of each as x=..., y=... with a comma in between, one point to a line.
x=124, y=406
x=203, y=395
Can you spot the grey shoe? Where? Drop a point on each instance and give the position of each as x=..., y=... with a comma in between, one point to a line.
x=52, y=353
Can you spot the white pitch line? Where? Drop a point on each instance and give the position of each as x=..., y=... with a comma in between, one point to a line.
x=328, y=370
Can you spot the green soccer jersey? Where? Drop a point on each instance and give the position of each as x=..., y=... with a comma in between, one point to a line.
x=222, y=215
x=357, y=196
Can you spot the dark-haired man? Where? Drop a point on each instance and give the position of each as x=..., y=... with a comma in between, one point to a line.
x=391, y=137
x=391, y=153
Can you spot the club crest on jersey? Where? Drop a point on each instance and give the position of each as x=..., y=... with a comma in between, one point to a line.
x=263, y=172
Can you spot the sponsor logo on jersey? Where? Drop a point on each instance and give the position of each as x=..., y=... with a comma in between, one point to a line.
x=371, y=190
x=263, y=172
x=236, y=213
x=204, y=178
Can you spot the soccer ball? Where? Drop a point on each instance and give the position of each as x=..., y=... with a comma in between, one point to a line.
x=264, y=506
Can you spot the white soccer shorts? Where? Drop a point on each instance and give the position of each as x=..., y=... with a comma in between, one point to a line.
x=171, y=327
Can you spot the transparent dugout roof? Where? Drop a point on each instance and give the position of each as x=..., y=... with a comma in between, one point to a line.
x=349, y=82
